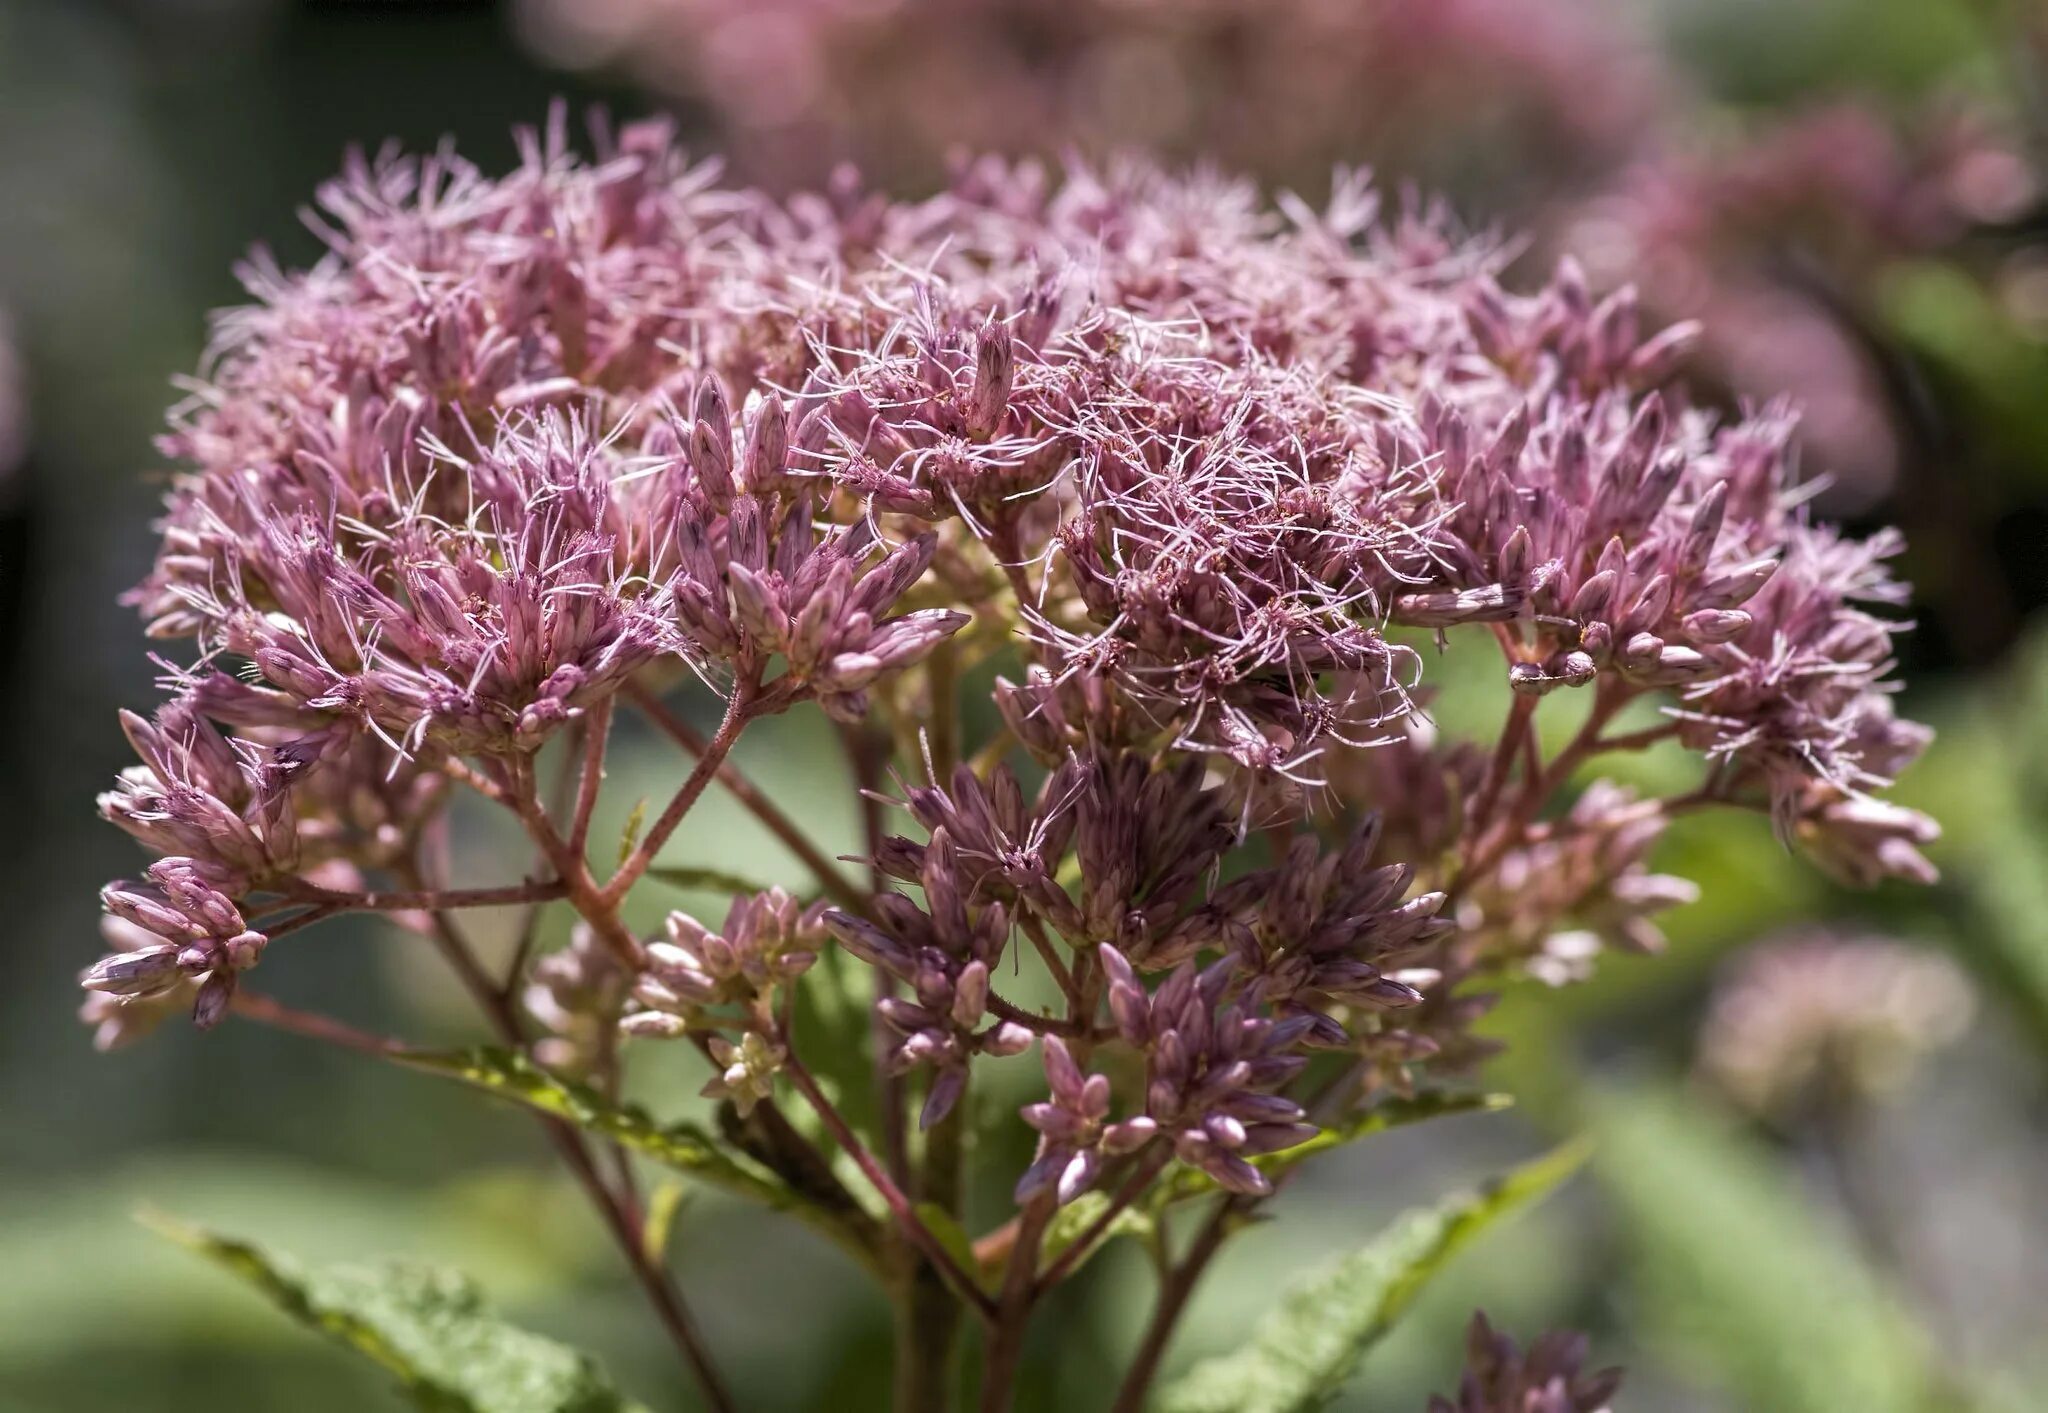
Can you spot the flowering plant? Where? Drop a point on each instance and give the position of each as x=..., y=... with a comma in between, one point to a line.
x=1114, y=522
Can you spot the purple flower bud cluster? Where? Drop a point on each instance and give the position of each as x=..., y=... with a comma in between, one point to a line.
x=756, y=579
x=1003, y=850
x=578, y=994
x=478, y=635
x=946, y=955
x=767, y=941
x=1324, y=931
x=1547, y=1377
x=200, y=794
x=1213, y=1068
x=188, y=930
x=1075, y=1130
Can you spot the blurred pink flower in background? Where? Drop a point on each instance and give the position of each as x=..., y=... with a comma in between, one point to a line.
x=1780, y=235
x=1826, y=1018
x=1282, y=87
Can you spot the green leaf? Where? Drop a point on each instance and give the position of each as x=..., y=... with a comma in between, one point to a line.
x=694, y=879
x=510, y=1075
x=1185, y=1182
x=428, y=1327
x=1742, y=1278
x=951, y=1235
x=1300, y=1355
x=664, y=1204
x=1073, y=1221
x=682, y=1146
x=630, y=835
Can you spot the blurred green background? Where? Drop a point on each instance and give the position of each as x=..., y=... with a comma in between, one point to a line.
x=1891, y=1257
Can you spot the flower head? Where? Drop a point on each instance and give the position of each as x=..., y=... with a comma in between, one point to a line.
x=1814, y=1018
x=181, y=927
x=1213, y=1068
x=946, y=953
x=1547, y=1377
x=767, y=941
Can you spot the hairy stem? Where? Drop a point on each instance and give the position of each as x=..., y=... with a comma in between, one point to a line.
x=597, y=730
x=276, y=927
x=529, y=917
x=1497, y=837
x=940, y=1184
x=867, y=752
x=1054, y=963
x=625, y=1228
x=922, y=1384
x=1512, y=732
x=1038, y=1023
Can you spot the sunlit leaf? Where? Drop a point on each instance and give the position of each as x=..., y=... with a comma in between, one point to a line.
x=1074, y=1221
x=682, y=1146
x=1300, y=1355
x=426, y=1326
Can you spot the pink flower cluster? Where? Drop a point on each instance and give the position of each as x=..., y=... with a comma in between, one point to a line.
x=1204, y=479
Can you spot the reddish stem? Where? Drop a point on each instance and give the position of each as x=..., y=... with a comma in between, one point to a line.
x=899, y=1205
x=753, y=800
x=735, y=720
x=408, y=900
x=275, y=1014
x=1013, y=1309
x=1174, y=1292
x=597, y=730
x=1133, y=1186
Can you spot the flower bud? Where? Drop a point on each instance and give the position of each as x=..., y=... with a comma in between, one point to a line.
x=994, y=367
x=134, y=973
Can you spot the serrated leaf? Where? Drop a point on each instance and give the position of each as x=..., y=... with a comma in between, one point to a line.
x=1300, y=1355
x=682, y=1146
x=430, y=1328
x=1072, y=1222
x=694, y=879
x=1744, y=1278
x=1188, y=1182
